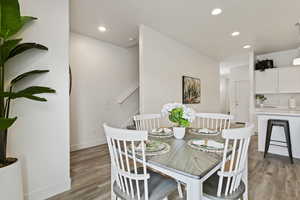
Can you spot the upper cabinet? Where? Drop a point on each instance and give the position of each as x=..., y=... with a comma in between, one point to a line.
x=278, y=80
x=289, y=80
x=266, y=81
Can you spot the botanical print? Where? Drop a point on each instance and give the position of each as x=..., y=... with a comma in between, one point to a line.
x=191, y=90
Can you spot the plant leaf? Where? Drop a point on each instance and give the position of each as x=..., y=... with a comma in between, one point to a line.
x=6, y=94
x=5, y=123
x=35, y=98
x=30, y=93
x=27, y=19
x=6, y=47
x=24, y=47
x=10, y=19
x=26, y=74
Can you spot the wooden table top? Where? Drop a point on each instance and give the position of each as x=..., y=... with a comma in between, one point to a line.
x=184, y=159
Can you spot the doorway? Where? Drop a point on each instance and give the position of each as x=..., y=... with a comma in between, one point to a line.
x=241, y=100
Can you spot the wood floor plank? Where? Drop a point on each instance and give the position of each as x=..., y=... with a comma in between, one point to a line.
x=273, y=178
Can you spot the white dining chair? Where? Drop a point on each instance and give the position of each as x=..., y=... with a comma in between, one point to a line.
x=133, y=183
x=227, y=183
x=147, y=121
x=214, y=121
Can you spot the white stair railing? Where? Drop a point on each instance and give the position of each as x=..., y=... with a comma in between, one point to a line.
x=129, y=121
x=122, y=98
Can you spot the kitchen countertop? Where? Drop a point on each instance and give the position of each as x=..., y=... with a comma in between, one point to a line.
x=277, y=111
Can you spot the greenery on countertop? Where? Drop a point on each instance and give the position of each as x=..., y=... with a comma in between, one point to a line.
x=261, y=97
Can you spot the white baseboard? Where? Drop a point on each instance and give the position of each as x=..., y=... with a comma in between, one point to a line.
x=49, y=191
x=87, y=144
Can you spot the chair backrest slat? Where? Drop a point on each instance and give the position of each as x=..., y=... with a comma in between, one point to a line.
x=128, y=167
x=128, y=179
x=214, y=121
x=237, y=143
x=147, y=122
x=231, y=166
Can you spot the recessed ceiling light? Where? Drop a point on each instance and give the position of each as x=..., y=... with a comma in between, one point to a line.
x=102, y=28
x=216, y=11
x=235, y=33
x=247, y=46
x=131, y=39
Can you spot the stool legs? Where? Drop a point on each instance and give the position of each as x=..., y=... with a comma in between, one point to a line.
x=285, y=125
x=288, y=141
x=268, y=138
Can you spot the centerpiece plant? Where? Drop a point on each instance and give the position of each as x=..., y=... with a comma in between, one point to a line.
x=179, y=114
x=11, y=22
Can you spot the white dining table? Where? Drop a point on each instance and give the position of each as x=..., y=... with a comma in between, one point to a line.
x=187, y=165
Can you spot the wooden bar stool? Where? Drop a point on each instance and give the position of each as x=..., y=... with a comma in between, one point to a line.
x=286, y=126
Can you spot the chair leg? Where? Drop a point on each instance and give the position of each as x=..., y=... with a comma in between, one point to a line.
x=179, y=188
x=288, y=141
x=268, y=138
x=245, y=179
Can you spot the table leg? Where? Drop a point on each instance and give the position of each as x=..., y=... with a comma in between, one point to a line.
x=245, y=179
x=194, y=190
x=113, y=178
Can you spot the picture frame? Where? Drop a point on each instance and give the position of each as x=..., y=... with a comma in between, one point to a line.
x=191, y=90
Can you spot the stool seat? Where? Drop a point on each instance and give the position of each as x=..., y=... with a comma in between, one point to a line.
x=286, y=126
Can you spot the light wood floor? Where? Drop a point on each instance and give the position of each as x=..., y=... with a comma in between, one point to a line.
x=273, y=178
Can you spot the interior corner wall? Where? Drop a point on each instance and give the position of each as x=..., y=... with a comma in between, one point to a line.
x=103, y=74
x=40, y=136
x=163, y=62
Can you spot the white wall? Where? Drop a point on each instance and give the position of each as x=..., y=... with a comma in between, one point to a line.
x=240, y=73
x=224, y=94
x=163, y=62
x=102, y=73
x=252, y=117
x=40, y=137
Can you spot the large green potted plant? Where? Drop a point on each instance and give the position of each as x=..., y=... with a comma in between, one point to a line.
x=11, y=22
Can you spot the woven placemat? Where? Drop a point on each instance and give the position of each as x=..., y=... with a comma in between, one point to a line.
x=155, y=153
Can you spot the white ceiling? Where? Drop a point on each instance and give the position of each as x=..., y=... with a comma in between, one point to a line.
x=268, y=25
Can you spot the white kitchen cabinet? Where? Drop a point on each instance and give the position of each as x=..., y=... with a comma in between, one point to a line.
x=289, y=80
x=266, y=82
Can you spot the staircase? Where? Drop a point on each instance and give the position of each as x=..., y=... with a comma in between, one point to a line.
x=129, y=123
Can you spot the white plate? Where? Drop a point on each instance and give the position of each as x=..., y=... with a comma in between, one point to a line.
x=161, y=132
x=205, y=131
x=211, y=144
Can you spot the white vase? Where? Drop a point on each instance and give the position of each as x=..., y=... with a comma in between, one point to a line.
x=11, y=186
x=179, y=132
x=258, y=102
